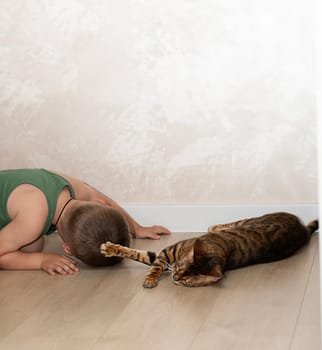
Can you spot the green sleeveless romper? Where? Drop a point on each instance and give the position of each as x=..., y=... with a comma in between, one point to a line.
x=49, y=183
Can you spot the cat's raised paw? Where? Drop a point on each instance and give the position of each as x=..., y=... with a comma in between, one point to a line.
x=108, y=249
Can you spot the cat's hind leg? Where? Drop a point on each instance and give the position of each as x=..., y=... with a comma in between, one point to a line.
x=219, y=227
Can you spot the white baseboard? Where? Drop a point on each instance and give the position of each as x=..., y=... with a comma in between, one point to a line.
x=197, y=218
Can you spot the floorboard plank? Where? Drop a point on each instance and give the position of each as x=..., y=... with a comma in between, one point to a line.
x=269, y=306
x=308, y=325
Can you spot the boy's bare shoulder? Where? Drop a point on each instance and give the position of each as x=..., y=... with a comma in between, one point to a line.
x=28, y=210
x=26, y=199
x=82, y=190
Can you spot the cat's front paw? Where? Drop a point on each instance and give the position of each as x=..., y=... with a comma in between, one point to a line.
x=108, y=249
x=150, y=282
x=186, y=281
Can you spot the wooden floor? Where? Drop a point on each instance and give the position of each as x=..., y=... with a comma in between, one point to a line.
x=273, y=306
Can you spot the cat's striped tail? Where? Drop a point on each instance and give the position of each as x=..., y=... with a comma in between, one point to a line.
x=313, y=226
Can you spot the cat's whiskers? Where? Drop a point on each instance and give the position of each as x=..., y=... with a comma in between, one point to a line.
x=169, y=267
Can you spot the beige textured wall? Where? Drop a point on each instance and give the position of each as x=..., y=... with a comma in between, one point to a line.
x=166, y=101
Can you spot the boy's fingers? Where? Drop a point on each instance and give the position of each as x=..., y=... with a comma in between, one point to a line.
x=64, y=266
x=153, y=236
x=70, y=268
x=160, y=230
x=70, y=264
x=61, y=270
x=69, y=260
x=67, y=268
x=51, y=272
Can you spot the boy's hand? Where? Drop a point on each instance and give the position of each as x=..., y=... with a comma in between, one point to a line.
x=152, y=232
x=61, y=264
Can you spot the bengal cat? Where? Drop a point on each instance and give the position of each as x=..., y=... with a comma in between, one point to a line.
x=203, y=260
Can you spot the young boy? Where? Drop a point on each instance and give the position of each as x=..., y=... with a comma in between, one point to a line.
x=37, y=202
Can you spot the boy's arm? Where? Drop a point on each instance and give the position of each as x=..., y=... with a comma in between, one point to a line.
x=92, y=194
x=136, y=229
x=28, y=212
x=24, y=229
x=87, y=192
x=51, y=263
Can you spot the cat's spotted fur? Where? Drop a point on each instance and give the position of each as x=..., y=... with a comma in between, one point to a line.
x=202, y=260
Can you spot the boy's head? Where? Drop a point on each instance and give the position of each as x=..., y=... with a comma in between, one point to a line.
x=86, y=225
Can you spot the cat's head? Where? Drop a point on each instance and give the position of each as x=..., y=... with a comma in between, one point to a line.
x=184, y=259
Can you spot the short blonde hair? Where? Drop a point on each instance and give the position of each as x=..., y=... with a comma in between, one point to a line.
x=89, y=225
